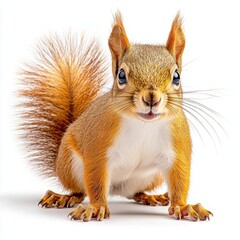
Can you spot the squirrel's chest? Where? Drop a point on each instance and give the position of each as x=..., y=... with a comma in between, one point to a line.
x=140, y=151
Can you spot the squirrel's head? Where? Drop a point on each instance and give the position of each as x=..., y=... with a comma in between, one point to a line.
x=146, y=77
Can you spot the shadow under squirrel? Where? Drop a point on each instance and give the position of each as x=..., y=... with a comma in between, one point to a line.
x=126, y=141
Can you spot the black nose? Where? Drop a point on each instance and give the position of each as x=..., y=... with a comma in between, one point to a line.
x=151, y=102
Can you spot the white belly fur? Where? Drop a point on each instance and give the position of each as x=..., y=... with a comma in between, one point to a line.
x=140, y=152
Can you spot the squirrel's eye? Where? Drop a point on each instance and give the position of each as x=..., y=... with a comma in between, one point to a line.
x=176, y=78
x=122, y=77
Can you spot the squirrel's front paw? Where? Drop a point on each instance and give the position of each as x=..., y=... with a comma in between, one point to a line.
x=191, y=212
x=86, y=213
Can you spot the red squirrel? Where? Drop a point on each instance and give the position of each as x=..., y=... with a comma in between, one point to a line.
x=126, y=141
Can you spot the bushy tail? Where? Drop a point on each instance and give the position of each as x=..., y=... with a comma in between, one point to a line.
x=55, y=89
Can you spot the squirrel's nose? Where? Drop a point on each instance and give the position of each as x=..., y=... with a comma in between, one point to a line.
x=151, y=102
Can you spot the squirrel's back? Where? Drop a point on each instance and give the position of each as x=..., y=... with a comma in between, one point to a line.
x=63, y=81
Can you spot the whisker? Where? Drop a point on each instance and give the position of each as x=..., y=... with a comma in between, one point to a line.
x=205, y=107
x=193, y=109
x=200, y=105
x=194, y=98
x=209, y=115
x=193, y=60
x=196, y=92
x=195, y=117
x=209, y=124
x=173, y=111
x=121, y=106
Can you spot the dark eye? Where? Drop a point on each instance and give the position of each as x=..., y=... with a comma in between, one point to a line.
x=122, y=77
x=176, y=78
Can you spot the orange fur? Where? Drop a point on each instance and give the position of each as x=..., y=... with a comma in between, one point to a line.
x=91, y=146
x=179, y=176
x=65, y=78
x=176, y=40
x=118, y=44
x=64, y=164
x=68, y=126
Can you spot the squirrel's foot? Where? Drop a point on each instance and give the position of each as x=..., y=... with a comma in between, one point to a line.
x=152, y=200
x=191, y=212
x=86, y=213
x=52, y=199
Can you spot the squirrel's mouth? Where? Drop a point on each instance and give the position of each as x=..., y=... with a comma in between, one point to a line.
x=149, y=116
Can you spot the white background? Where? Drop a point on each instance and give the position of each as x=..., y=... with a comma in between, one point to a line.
x=212, y=57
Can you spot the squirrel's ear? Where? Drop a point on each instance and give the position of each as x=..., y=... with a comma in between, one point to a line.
x=176, y=40
x=118, y=41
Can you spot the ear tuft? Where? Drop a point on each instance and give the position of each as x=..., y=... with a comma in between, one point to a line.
x=118, y=41
x=176, y=40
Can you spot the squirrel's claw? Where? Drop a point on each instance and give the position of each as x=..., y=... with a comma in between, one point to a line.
x=191, y=212
x=51, y=199
x=86, y=213
x=152, y=200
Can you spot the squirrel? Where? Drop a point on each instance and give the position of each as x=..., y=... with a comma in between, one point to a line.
x=126, y=141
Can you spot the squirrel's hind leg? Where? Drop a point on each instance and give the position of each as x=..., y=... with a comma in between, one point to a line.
x=69, y=170
x=152, y=200
x=51, y=199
